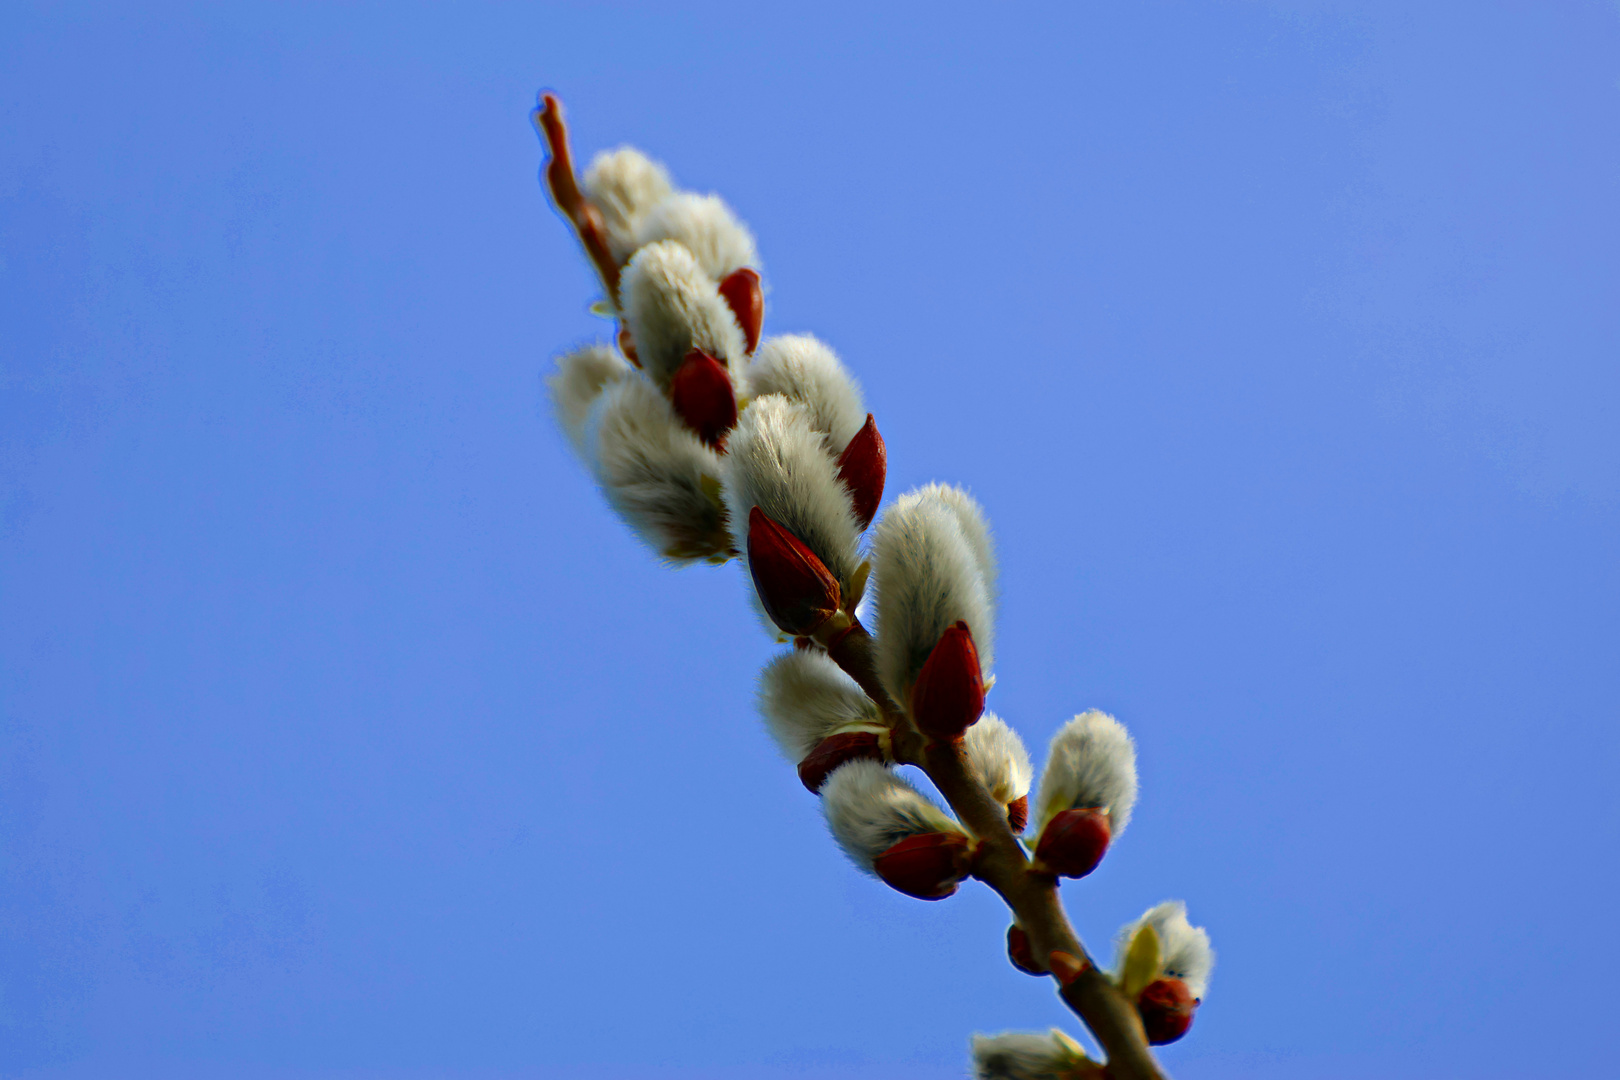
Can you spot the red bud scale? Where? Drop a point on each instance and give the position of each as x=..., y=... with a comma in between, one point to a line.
x=1166, y=1007
x=1021, y=953
x=797, y=590
x=741, y=291
x=702, y=395
x=1074, y=842
x=1018, y=813
x=863, y=467
x=836, y=750
x=929, y=866
x=948, y=696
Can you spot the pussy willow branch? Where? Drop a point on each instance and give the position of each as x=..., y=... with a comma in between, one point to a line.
x=1002, y=865
x=1001, y=862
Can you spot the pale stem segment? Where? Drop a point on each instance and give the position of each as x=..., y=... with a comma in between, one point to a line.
x=1002, y=865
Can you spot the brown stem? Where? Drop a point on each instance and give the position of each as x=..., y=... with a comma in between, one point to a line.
x=851, y=649
x=563, y=188
x=1002, y=864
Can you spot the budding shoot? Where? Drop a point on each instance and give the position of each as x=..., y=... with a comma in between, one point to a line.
x=889, y=829
x=1164, y=967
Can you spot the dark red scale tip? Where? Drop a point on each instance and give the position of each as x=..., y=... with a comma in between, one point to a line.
x=863, y=467
x=1074, y=842
x=1166, y=1007
x=836, y=750
x=948, y=696
x=701, y=392
x=797, y=590
x=1021, y=953
x=741, y=291
x=928, y=867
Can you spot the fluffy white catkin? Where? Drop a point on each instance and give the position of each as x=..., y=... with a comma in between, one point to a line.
x=705, y=226
x=776, y=461
x=998, y=756
x=1184, y=949
x=656, y=472
x=1092, y=763
x=870, y=809
x=1027, y=1055
x=578, y=382
x=671, y=307
x=927, y=576
x=804, y=697
x=975, y=529
x=625, y=184
x=802, y=369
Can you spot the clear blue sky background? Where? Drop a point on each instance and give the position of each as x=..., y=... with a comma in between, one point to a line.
x=344, y=733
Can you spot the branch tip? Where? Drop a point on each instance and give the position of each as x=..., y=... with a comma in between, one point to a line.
x=563, y=187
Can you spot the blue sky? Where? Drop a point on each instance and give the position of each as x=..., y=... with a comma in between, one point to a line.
x=344, y=732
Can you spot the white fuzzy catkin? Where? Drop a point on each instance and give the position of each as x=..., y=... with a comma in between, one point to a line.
x=578, y=382
x=625, y=185
x=1029, y=1055
x=870, y=809
x=705, y=226
x=1092, y=763
x=1184, y=950
x=671, y=307
x=805, y=697
x=975, y=529
x=776, y=461
x=804, y=370
x=656, y=472
x=928, y=573
x=998, y=756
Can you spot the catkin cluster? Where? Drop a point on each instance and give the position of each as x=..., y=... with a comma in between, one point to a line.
x=714, y=442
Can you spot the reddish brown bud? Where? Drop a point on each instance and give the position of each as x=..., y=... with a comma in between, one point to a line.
x=1018, y=813
x=798, y=591
x=701, y=393
x=1166, y=1007
x=1066, y=966
x=927, y=866
x=1020, y=952
x=1074, y=842
x=836, y=750
x=741, y=292
x=949, y=693
x=863, y=466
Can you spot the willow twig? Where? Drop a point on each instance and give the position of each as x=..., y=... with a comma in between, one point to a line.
x=563, y=187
